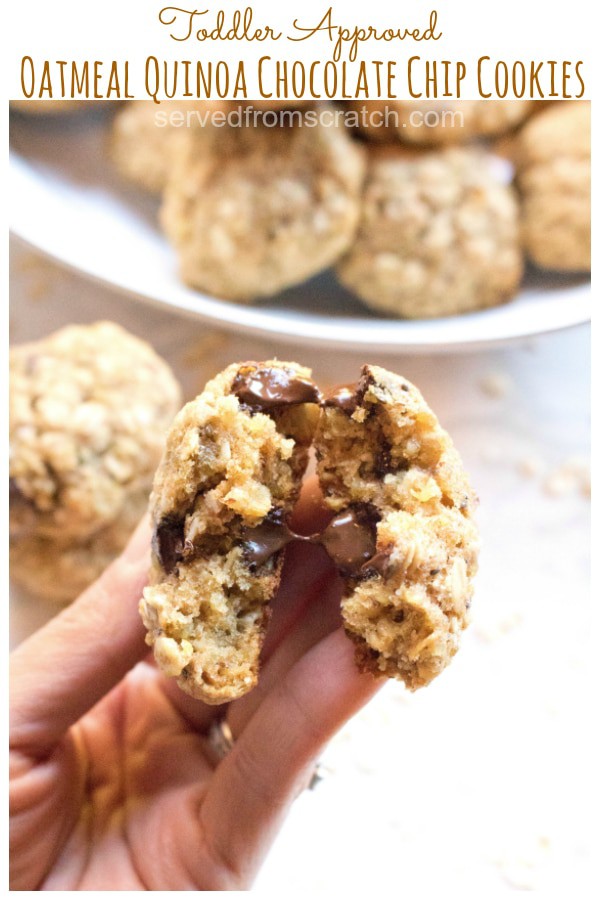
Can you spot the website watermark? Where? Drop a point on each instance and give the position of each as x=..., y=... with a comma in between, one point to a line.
x=364, y=117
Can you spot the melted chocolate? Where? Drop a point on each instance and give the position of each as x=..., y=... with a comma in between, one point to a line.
x=378, y=564
x=268, y=538
x=343, y=397
x=349, y=539
x=270, y=388
x=168, y=543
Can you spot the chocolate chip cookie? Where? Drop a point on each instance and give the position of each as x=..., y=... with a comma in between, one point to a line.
x=254, y=210
x=401, y=533
x=230, y=474
x=145, y=136
x=384, y=459
x=438, y=235
x=554, y=178
x=89, y=409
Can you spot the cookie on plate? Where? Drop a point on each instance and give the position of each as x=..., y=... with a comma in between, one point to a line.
x=254, y=210
x=554, y=177
x=231, y=473
x=89, y=409
x=438, y=234
x=395, y=481
x=439, y=122
x=145, y=134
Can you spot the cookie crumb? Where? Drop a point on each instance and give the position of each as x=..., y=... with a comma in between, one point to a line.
x=530, y=466
x=572, y=475
x=496, y=384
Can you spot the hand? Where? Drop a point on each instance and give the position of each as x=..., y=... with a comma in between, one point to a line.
x=113, y=784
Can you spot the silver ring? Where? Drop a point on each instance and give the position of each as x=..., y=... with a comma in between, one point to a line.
x=320, y=774
x=220, y=738
x=221, y=741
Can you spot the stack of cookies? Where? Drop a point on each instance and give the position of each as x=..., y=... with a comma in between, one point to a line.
x=89, y=409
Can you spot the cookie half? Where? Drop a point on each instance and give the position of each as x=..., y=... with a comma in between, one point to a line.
x=387, y=466
x=230, y=475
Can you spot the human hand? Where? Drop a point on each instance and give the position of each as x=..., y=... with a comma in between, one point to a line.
x=114, y=785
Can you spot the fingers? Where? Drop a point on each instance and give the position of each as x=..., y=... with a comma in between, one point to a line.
x=254, y=785
x=305, y=568
x=67, y=666
x=319, y=617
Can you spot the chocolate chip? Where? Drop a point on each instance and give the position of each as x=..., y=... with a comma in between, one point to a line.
x=378, y=565
x=343, y=398
x=168, y=543
x=267, y=539
x=265, y=389
x=350, y=540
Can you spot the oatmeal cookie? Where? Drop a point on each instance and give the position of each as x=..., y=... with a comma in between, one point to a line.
x=89, y=409
x=57, y=571
x=145, y=135
x=229, y=477
x=439, y=122
x=384, y=460
x=251, y=211
x=438, y=235
x=554, y=178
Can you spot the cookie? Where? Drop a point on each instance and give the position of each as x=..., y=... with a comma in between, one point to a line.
x=439, y=122
x=385, y=462
x=254, y=210
x=57, y=571
x=554, y=178
x=401, y=534
x=230, y=475
x=144, y=137
x=89, y=409
x=438, y=235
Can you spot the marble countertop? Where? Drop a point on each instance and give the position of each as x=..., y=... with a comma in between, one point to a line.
x=481, y=781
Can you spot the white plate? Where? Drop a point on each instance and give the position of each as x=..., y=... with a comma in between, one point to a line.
x=68, y=203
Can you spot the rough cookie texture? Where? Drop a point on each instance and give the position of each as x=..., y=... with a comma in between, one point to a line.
x=145, y=136
x=439, y=235
x=440, y=122
x=254, y=210
x=58, y=571
x=89, y=409
x=554, y=177
x=381, y=450
x=234, y=461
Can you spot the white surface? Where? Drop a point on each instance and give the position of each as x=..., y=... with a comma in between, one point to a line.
x=67, y=202
x=480, y=782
